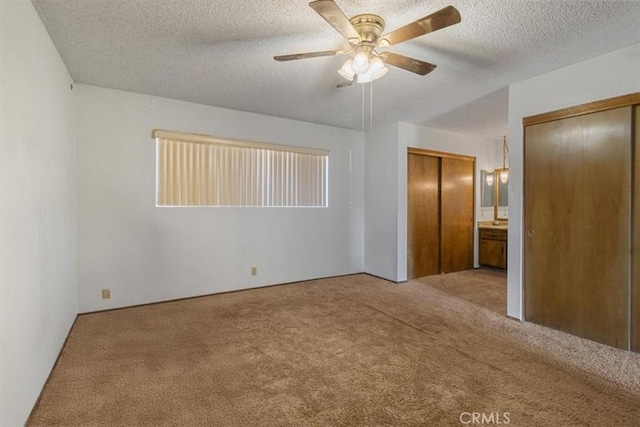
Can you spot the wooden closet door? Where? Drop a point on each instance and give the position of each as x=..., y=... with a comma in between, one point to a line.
x=456, y=215
x=577, y=225
x=552, y=224
x=423, y=216
x=607, y=217
x=635, y=283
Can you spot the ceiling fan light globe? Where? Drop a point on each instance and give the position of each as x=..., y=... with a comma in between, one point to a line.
x=365, y=78
x=346, y=75
x=377, y=68
x=372, y=74
x=346, y=70
x=361, y=63
x=379, y=73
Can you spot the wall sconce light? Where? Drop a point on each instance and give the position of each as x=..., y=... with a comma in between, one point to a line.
x=504, y=174
x=489, y=179
x=504, y=177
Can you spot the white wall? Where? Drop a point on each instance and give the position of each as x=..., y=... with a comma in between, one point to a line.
x=616, y=73
x=381, y=202
x=38, y=303
x=146, y=254
x=386, y=189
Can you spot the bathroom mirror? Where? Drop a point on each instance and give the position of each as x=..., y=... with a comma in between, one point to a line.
x=487, y=180
x=501, y=195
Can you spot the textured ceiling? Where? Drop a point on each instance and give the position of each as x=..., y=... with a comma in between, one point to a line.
x=220, y=53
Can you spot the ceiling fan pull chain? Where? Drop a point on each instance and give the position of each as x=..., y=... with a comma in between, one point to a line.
x=371, y=106
x=363, y=112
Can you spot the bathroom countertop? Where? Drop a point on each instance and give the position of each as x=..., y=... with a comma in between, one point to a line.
x=491, y=225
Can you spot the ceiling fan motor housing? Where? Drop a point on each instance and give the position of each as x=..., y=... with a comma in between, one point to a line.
x=369, y=27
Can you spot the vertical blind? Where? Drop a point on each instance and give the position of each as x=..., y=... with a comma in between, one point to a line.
x=198, y=170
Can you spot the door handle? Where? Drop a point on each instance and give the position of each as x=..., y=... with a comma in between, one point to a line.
x=531, y=233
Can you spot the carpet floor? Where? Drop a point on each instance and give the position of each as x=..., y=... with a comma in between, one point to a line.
x=345, y=351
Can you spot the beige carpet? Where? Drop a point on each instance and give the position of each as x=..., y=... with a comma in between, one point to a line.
x=484, y=287
x=352, y=350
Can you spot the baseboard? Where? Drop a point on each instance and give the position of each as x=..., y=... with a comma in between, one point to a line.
x=216, y=293
x=64, y=344
x=385, y=279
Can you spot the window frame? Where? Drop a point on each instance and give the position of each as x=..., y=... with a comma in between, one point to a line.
x=288, y=159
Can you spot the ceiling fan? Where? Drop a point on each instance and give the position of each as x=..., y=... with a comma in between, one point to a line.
x=363, y=32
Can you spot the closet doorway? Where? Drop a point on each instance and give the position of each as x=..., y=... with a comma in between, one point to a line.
x=440, y=212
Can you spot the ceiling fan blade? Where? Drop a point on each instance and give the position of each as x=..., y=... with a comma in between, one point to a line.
x=335, y=17
x=348, y=83
x=308, y=55
x=406, y=63
x=436, y=21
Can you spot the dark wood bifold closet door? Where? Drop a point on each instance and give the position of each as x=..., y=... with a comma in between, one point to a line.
x=456, y=215
x=635, y=284
x=577, y=229
x=440, y=210
x=423, y=216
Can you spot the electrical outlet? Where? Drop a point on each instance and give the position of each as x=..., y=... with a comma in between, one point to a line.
x=106, y=293
x=254, y=271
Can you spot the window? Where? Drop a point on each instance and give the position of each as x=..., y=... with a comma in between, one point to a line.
x=199, y=170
